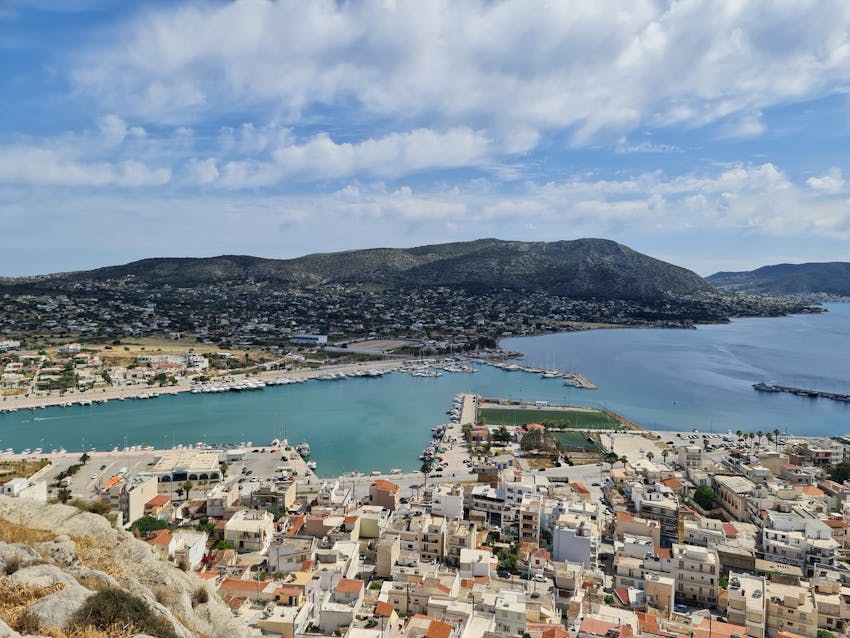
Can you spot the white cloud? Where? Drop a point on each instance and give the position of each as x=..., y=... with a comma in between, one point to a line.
x=832, y=182
x=51, y=167
x=488, y=65
x=393, y=155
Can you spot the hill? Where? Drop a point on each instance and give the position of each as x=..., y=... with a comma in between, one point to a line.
x=831, y=278
x=582, y=268
x=56, y=560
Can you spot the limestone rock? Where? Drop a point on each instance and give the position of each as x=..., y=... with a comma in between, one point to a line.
x=7, y=632
x=131, y=565
x=42, y=576
x=57, y=609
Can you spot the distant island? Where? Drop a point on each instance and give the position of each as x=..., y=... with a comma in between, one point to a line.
x=830, y=278
x=445, y=297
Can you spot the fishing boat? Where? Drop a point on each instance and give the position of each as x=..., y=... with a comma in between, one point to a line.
x=303, y=449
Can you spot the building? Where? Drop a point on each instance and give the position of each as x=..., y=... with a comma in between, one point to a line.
x=447, y=501
x=9, y=344
x=733, y=493
x=791, y=608
x=188, y=465
x=387, y=550
x=747, y=603
x=25, y=488
x=384, y=494
x=130, y=495
x=575, y=539
x=697, y=573
x=250, y=530
x=309, y=340
x=796, y=540
x=291, y=553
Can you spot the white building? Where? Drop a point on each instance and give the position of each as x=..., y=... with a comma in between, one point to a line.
x=9, y=344
x=574, y=539
x=447, y=501
x=24, y=488
x=250, y=530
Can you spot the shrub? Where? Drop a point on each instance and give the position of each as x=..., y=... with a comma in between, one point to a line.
x=200, y=596
x=112, y=608
x=13, y=564
x=147, y=524
x=27, y=623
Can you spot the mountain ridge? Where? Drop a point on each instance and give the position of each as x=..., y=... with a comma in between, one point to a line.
x=580, y=268
x=812, y=278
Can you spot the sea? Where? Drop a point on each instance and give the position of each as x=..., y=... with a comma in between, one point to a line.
x=657, y=378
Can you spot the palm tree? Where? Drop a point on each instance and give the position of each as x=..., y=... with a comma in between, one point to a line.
x=776, y=438
x=759, y=434
x=624, y=460
x=738, y=433
x=650, y=456
x=664, y=454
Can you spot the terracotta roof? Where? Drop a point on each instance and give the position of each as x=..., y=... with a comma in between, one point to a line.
x=787, y=634
x=811, y=490
x=289, y=592
x=625, y=516
x=349, y=586
x=547, y=630
x=837, y=524
x=159, y=537
x=350, y=519
x=384, y=609
x=648, y=623
x=661, y=552
x=597, y=627
x=717, y=629
x=623, y=594
x=436, y=629
x=385, y=486
x=580, y=487
x=730, y=530
x=673, y=483
x=237, y=584
x=158, y=501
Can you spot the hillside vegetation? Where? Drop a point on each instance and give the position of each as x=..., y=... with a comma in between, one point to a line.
x=581, y=268
x=831, y=278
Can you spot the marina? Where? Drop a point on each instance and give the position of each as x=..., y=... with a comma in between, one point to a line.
x=657, y=379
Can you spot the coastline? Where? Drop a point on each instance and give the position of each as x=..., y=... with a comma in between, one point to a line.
x=14, y=403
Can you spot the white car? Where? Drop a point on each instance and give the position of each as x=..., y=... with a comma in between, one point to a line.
x=93, y=477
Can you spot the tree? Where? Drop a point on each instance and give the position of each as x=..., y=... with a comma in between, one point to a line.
x=776, y=437
x=840, y=473
x=187, y=487
x=224, y=545
x=426, y=468
x=147, y=524
x=64, y=495
x=502, y=435
x=739, y=433
x=759, y=435
x=650, y=456
x=84, y=458
x=704, y=497
x=179, y=491
x=665, y=454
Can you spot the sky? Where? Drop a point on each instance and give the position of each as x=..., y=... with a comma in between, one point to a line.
x=710, y=134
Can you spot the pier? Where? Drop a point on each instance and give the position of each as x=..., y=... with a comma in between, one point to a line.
x=803, y=392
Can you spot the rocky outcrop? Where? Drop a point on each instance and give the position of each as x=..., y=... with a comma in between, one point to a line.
x=68, y=554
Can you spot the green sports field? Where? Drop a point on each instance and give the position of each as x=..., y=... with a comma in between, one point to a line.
x=586, y=419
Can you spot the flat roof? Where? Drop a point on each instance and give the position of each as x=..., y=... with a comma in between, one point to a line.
x=187, y=461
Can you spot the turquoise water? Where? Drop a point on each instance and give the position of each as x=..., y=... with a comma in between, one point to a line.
x=665, y=379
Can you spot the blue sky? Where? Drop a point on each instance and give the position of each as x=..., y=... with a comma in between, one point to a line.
x=712, y=135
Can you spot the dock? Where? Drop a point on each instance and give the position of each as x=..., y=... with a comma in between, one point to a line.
x=802, y=392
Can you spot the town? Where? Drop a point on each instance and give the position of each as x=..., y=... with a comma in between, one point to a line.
x=535, y=529
x=261, y=315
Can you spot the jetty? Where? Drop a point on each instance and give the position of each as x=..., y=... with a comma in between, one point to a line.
x=803, y=392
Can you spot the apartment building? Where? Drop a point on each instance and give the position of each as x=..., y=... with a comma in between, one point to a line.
x=798, y=540
x=250, y=530
x=447, y=501
x=791, y=608
x=747, y=603
x=733, y=493
x=696, y=570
